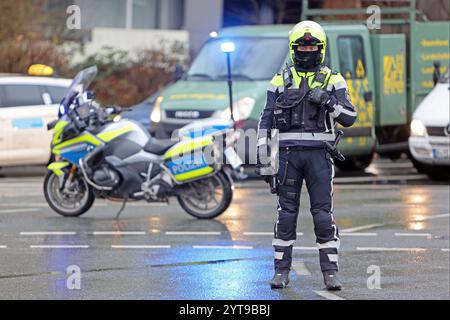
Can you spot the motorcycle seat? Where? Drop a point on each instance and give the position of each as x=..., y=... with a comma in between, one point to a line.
x=158, y=146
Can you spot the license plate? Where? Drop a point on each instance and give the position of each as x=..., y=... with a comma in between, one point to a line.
x=233, y=158
x=441, y=153
x=27, y=123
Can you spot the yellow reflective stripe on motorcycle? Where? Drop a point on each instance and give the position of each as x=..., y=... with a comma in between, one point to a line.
x=57, y=130
x=85, y=137
x=57, y=166
x=187, y=146
x=110, y=135
x=194, y=174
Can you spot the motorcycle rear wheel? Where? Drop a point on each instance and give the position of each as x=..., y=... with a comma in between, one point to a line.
x=74, y=204
x=198, y=196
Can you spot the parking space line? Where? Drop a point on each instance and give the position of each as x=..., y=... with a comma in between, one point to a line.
x=364, y=227
x=140, y=246
x=119, y=233
x=59, y=246
x=49, y=233
x=224, y=247
x=389, y=249
x=445, y=249
x=399, y=234
x=192, y=233
x=358, y=234
x=327, y=295
x=265, y=233
x=300, y=268
x=305, y=248
x=3, y=247
x=19, y=210
x=437, y=216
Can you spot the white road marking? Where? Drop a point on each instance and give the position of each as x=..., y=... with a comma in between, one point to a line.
x=49, y=233
x=391, y=165
x=224, y=247
x=437, y=216
x=140, y=247
x=119, y=233
x=59, y=246
x=381, y=178
x=398, y=234
x=446, y=249
x=327, y=295
x=28, y=205
x=3, y=247
x=20, y=195
x=359, y=234
x=192, y=233
x=364, y=227
x=19, y=210
x=300, y=268
x=265, y=233
x=389, y=249
x=305, y=248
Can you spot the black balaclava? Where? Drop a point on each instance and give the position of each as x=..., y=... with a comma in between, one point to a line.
x=307, y=60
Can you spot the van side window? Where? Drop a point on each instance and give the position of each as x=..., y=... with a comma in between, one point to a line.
x=18, y=95
x=352, y=63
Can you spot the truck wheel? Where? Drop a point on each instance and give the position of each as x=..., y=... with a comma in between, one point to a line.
x=355, y=163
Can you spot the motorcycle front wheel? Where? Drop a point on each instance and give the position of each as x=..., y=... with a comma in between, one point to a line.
x=73, y=200
x=207, y=198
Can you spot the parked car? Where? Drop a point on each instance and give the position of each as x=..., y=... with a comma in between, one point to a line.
x=27, y=104
x=141, y=112
x=429, y=142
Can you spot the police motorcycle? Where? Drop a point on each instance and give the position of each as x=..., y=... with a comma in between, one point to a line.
x=99, y=155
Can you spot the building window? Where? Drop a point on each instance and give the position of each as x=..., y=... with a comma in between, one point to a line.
x=145, y=14
x=132, y=14
x=109, y=13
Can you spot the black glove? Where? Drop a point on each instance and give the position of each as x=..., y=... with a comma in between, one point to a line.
x=322, y=98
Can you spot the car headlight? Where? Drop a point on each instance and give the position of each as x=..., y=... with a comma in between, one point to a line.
x=241, y=110
x=418, y=128
x=156, y=110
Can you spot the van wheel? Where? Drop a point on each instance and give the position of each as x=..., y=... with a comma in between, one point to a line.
x=355, y=163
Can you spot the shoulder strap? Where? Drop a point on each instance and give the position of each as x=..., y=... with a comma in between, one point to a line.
x=288, y=78
x=322, y=76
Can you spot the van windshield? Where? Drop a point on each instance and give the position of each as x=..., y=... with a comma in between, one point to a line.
x=253, y=59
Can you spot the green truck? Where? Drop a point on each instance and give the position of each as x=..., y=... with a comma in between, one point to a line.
x=388, y=74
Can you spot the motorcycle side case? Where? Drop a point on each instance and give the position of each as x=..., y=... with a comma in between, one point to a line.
x=187, y=160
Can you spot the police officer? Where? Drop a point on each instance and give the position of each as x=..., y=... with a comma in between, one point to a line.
x=304, y=103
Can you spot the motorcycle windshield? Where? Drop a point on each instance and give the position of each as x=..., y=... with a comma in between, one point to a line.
x=81, y=81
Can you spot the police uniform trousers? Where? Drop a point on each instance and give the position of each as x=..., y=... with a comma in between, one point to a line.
x=316, y=168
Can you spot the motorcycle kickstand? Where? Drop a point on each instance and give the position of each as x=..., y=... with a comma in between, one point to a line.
x=125, y=200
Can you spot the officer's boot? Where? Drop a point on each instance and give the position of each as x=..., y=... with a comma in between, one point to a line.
x=331, y=281
x=280, y=280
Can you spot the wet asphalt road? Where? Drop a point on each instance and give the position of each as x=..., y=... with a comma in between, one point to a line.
x=391, y=219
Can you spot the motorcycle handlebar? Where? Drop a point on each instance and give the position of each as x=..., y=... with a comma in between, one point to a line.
x=51, y=125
